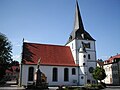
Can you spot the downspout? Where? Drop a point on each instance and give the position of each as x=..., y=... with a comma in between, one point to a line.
x=78, y=76
x=95, y=58
x=21, y=65
x=20, y=84
x=78, y=62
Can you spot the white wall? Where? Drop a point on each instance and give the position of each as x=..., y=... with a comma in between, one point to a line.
x=72, y=45
x=108, y=71
x=89, y=62
x=47, y=70
x=24, y=71
x=78, y=57
x=112, y=73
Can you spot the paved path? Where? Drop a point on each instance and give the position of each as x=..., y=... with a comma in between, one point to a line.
x=112, y=88
x=11, y=88
x=10, y=85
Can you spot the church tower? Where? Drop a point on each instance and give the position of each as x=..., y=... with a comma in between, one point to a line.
x=83, y=49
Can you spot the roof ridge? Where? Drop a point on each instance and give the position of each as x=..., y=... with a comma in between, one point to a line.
x=113, y=57
x=45, y=44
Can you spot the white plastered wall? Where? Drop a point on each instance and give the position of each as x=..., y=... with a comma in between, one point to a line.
x=47, y=70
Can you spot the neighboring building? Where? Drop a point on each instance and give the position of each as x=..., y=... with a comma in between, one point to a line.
x=112, y=69
x=12, y=74
x=100, y=63
x=71, y=64
x=8, y=75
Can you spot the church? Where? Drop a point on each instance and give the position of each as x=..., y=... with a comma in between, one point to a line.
x=70, y=64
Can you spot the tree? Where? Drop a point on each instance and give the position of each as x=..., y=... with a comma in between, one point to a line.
x=5, y=54
x=14, y=63
x=99, y=73
x=100, y=60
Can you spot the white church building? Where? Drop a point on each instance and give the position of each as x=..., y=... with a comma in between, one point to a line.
x=70, y=64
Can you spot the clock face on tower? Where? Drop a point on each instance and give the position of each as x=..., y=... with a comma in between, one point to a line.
x=91, y=69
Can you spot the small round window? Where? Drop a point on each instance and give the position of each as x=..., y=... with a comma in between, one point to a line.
x=91, y=69
x=82, y=77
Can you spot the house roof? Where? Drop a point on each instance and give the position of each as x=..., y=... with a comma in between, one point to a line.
x=100, y=63
x=8, y=71
x=12, y=69
x=49, y=54
x=110, y=60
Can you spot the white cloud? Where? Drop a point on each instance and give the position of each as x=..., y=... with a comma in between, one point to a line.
x=17, y=57
x=16, y=44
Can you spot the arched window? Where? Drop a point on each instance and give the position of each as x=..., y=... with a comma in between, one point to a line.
x=89, y=56
x=66, y=74
x=73, y=71
x=30, y=73
x=55, y=74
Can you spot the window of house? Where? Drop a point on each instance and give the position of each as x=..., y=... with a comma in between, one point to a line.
x=83, y=64
x=66, y=74
x=89, y=56
x=73, y=71
x=110, y=76
x=55, y=74
x=109, y=68
x=30, y=73
x=116, y=68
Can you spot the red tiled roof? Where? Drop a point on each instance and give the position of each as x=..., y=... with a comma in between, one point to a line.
x=15, y=67
x=49, y=54
x=12, y=69
x=112, y=58
x=8, y=71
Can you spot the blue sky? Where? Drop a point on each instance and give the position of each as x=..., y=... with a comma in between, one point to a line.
x=51, y=22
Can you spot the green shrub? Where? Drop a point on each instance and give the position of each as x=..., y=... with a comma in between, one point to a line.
x=94, y=86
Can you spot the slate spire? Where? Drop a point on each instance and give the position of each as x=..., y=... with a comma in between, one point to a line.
x=78, y=30
x=78, y=24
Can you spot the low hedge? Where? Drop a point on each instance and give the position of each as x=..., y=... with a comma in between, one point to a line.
x=95, y=86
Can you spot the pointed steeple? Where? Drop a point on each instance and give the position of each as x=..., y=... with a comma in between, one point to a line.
x=78, y=24
x=78, y=30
